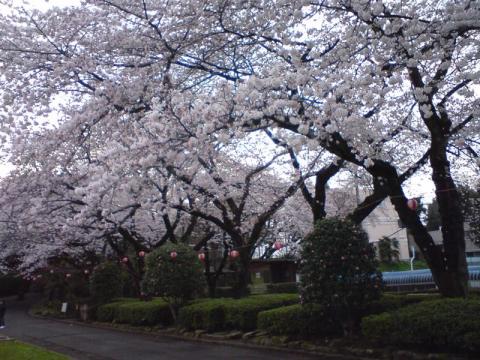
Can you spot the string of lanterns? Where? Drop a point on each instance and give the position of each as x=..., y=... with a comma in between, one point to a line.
x=412, y=204
x=277, y=245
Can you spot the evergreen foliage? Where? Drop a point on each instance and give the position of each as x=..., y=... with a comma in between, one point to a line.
x=338, y=271
x=106, y=282
x=175, y=279
x=388, y=250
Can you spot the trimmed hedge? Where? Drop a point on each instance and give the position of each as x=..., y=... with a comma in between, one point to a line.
x=208, y=315
x=282, y=288
x=223, y=314
x=390, y=302
x=107, y=312
x=298, y=320
x=450, y=324
x=135, y=312
x=306, y=321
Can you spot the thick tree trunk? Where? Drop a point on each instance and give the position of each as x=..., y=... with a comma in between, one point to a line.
x=448, y=264
x=455, y=274
x=240, y=288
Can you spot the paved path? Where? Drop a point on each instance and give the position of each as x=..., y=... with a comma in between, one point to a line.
x=81, y=342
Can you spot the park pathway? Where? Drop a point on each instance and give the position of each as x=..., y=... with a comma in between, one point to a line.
x=82, y=342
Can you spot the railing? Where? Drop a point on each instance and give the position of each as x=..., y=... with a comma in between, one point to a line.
x=417, y=280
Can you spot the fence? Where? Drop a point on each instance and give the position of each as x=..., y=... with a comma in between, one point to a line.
x=418, y=280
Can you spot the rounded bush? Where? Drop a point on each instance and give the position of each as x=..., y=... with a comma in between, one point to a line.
x=339, y=271
x=176, y=279
x=106, y=282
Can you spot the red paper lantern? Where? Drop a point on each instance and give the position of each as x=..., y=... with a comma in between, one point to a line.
x=201, y=257
x=173, y=255
x=141, y=253
x=412, y=204
x=234, y=254
x=125, y=260
x=277, y=245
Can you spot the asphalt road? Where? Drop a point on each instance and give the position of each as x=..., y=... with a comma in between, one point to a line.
x=82, y=342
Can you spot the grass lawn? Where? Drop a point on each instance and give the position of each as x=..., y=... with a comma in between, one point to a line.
x=403, y=266
x=15, y=350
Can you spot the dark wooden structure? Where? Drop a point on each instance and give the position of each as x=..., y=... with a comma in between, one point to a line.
x=274, y=270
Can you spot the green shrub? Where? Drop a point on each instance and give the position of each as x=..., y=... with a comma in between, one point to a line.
x=450, y=324
x=208, y=315
x=282, y=288
x=144, y=313
x=176, y=280
x=297, y=320
x=222, y=314
x=390, y=302
x=338, y=268
x=242, y=313
x=136, y=312
x=106, y=282
x=107, y=312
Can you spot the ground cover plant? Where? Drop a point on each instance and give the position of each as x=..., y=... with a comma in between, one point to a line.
x=20, y=351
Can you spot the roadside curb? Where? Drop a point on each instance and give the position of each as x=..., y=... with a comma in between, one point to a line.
x=234, y=343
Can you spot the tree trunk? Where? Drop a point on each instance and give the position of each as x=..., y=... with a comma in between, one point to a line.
x=240, y=288
x=448, y=265
x=455, y=274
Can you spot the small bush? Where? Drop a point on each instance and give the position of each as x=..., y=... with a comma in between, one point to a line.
x=450, y=324
x=135, y=312
x=174, y=279
x=107, y=312
x=144, y=313
x=223, y=314
x=207, y=315
x=282, y=288
x=338, y=268
x=297, y=320
x=106, y=282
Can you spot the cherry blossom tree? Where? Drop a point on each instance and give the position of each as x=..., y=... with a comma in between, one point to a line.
x=385, y=86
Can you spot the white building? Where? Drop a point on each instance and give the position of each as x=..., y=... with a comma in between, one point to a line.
x=383, y=221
